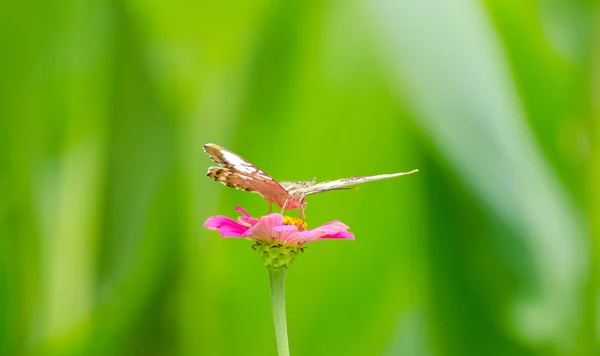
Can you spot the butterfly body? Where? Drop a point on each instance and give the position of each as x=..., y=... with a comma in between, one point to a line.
x=296, y=188
x=237, y=172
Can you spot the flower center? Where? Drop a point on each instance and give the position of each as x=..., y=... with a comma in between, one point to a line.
x=299, y=223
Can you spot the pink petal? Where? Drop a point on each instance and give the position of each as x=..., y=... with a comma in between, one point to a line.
x=285, y=228
x=331, y=230
x=245, y=220
x=285, y=233
x=227, y=227
x=340, y=235
x=337, y=223
x=264, y=227
x=241, y=210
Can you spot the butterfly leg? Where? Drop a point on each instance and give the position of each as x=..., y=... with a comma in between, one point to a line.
x=283, y=207
x=302, y=213
x=270, y=208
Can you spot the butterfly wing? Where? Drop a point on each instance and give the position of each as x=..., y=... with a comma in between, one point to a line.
x=237, y=172
x=346, y=183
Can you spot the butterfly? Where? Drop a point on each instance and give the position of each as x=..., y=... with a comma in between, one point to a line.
x=237, y=172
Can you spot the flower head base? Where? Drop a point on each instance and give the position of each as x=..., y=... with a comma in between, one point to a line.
x=279, y=239
x=277, y=255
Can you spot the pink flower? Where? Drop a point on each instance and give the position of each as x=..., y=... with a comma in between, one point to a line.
x=276, y=228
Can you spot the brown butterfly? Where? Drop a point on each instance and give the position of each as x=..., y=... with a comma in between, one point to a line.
x=236, y=172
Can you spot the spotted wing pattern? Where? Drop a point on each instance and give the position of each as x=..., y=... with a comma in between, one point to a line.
x=236, y=172
x=346, y=183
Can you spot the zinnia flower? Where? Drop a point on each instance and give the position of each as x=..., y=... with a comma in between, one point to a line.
x=278, y=238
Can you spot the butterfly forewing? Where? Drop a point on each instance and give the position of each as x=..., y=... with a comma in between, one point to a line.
x=232, y=161
x=237, y=172
x=346, y=182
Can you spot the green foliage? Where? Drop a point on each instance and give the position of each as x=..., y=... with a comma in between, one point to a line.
x=491, y=249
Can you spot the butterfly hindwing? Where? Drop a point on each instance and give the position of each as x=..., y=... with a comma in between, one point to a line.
x=230, y=179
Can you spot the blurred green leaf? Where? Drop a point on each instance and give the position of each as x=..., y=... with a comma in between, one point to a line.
x=105, y=107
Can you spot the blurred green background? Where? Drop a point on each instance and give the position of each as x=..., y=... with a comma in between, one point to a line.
x=491, y=249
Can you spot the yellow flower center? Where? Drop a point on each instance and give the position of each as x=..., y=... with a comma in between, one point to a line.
x=301, y=224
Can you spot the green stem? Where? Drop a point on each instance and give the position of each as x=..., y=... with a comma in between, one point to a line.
x=277, y=277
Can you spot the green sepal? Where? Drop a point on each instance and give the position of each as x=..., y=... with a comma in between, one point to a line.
x=277, y=255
